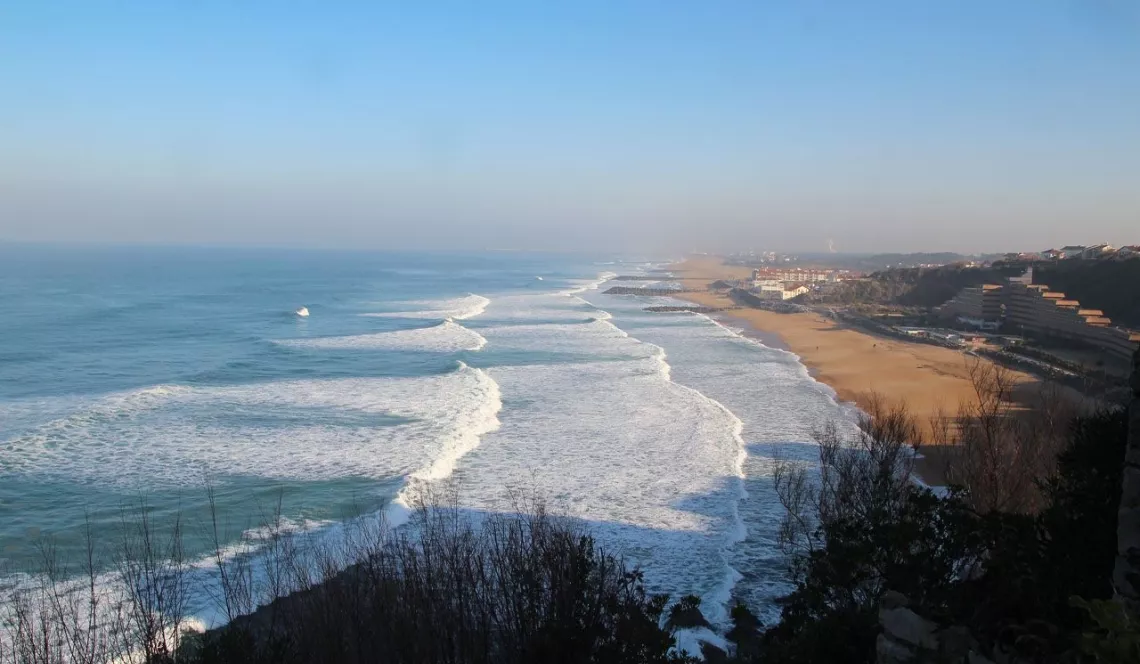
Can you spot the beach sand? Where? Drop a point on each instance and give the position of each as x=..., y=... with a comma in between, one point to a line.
x=856, y=364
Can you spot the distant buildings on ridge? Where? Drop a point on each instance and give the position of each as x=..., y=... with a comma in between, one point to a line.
x=1078, y=252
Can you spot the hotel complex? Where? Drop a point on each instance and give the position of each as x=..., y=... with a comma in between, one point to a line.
x=1038, y=313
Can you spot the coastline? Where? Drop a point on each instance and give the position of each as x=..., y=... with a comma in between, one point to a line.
x=932, y=381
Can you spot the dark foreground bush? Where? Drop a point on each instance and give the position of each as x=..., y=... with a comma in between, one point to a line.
x=448, y=588
x=517, y=588
x=1009, y=578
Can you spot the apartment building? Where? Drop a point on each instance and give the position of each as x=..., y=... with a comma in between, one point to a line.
x=977, y=303
x=1037, y=312
x=795, y=275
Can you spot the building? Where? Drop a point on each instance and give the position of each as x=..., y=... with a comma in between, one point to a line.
x=1045, y=315
x=1072, y=251
x=1128, y=251
x=1097, y=251
x=1052, y=254
x=796, y=275
x=1025, y=278
x=983, y=303
x=776, y=291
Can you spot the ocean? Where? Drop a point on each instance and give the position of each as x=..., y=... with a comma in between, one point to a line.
x=143, y=376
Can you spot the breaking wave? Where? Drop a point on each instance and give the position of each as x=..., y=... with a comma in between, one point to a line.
x=653, y=466
x=447, y=337
x=180, y=435
x=460, y=308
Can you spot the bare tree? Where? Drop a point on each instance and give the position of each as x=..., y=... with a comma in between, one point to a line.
x=862, y=476
x=1003, y=449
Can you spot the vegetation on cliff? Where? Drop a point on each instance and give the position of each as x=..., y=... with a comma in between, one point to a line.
x=917, y=287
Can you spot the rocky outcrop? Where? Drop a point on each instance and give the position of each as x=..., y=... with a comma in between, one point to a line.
x=1126, y=575
x=908, y=638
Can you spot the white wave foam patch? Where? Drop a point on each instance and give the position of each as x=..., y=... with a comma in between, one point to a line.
x=779, y=405
x=597, y=338
x=652, y=467
x=295, y=430
x=456, y=309
x=583, y=285
x=546, y=306
x=717, y=611
x=447, y=337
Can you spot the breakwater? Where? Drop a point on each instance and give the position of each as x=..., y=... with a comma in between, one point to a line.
x=652, y=292
x=688, y=309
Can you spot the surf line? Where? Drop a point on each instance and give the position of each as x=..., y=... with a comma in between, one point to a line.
x=723, y=594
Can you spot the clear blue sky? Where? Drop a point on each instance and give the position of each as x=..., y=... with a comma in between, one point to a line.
x=903, y=125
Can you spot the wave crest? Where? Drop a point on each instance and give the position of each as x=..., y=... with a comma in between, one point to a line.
x=374, y=427
x=460, y=308
x=447, y=337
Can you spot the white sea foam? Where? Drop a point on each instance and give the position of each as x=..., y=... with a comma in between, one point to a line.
x=592, y=338
x=550, y=306
x=447, y=337
x=779, y=406
x=456, y=309
x=583, y=285
x=652, y=466
x=177, y=435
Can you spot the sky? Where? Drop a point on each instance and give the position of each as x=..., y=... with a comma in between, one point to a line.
x=906, y=125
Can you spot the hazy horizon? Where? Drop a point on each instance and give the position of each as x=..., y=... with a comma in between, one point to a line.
x=639, y=126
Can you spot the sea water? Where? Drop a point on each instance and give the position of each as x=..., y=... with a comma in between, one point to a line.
x=144, y=376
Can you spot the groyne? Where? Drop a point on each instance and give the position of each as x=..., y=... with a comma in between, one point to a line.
x=689, y=309
x=651, y=292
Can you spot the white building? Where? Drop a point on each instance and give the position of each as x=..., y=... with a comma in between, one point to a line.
x=777, y=292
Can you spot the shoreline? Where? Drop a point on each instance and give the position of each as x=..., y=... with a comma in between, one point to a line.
x=932, y=381
x=747, y=329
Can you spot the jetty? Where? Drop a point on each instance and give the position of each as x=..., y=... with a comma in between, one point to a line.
x=652, y=292
x=688, y=309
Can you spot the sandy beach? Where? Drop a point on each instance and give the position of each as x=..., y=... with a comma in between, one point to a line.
x=854, y=363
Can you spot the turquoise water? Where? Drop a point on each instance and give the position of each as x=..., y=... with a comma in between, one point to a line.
x=136, y=376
